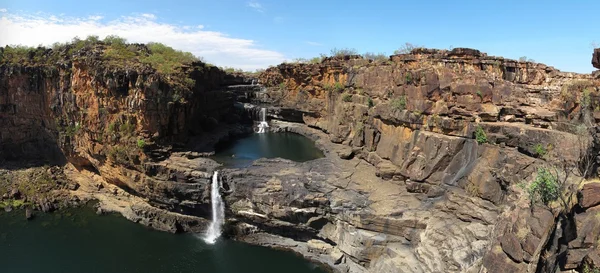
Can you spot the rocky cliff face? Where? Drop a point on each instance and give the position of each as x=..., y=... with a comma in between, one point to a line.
x=424, y=154
x=455, y=132
x=596, y=58
x=121, y=122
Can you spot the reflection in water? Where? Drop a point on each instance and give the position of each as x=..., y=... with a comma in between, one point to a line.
x=241, y=152
x=78, y=240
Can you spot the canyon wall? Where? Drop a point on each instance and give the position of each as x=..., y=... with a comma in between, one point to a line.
x=120, y=121
x=459, y=131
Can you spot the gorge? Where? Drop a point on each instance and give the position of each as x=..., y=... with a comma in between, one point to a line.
x=424, y=160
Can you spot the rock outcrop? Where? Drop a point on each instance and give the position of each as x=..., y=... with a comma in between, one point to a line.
x=123, y=121
x=424, y=154
x=596, y=58
x=456, y=131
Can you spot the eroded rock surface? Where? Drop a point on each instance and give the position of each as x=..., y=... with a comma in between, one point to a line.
x=415, y=119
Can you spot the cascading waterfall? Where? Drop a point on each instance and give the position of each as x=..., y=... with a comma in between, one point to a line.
x=262, y=127
x=218, y=211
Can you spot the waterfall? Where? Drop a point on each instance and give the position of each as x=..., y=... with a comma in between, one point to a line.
x=218, y=211
x=262, y=127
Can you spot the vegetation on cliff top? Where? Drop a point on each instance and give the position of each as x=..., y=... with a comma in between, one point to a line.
x=112, y=51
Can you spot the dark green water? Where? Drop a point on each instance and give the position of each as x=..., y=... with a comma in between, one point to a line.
x=79, y=241
x=241, y=152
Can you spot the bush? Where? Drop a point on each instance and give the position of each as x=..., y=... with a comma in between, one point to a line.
x=545, y=188
x=408, y=78
x=141, y=143
x=480, y=135
x=165, y=59
x=338, y=87
x=586, y=99
x=380, y=57
x=399, y=103
x=540, y=150
x=127, y=128
x=114, y=40
x=370, y=103
x=316, y=60
x=347, y=98
x=343, y=52
x=405, y=49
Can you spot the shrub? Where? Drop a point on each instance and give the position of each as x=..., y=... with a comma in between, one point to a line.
x=347, y=98
x=545, y=188
x=408, y=78
x=590, y=269
x=380, y=57
x=480, y=94
x=315, y=60
x=343, y=52
x=114, y=40
x=112, y=127
x=165, y=59
x=480, y=135
x=338, y=87
x=405, y=49
x=370, y=103
x=127, y=128
x=540, y=150
x=586, y=99
x=399, y=103
x=141, y=143
x=16, y=54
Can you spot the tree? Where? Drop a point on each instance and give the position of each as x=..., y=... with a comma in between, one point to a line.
x=405, y=49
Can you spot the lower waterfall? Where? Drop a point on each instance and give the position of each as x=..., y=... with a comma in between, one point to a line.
x=218, y=211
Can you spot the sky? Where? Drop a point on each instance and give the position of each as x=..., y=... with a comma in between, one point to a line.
x=258, y=33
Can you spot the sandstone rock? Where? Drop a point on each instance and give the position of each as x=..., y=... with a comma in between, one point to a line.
x=512, y=247
x=589, y=195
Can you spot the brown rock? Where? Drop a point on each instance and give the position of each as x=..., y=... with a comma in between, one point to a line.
x=575, y=257
x=596, y=58
x=511, y=246
x=589, y=196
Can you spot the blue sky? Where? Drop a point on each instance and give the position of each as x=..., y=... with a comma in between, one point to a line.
x=258, y=33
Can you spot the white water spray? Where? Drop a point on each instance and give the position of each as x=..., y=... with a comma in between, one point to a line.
x=218, y=211
x=262, y=127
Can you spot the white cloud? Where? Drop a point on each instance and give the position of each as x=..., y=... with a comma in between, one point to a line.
x=215, y=47
x=3, y=10
x=149, y=16
x=313, y=43
x=256, y=6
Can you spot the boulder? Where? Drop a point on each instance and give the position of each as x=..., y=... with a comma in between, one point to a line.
x=589, y=196
x=511, y=246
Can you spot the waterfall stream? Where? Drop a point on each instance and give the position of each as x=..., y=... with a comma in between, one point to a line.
x=262, y=127
x=218, y=211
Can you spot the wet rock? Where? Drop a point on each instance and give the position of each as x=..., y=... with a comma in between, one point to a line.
x=28, y=213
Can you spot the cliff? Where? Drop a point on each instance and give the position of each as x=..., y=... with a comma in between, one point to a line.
x=596, y=58
x=117, y=117
x=426, y=154
x=459, y=131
